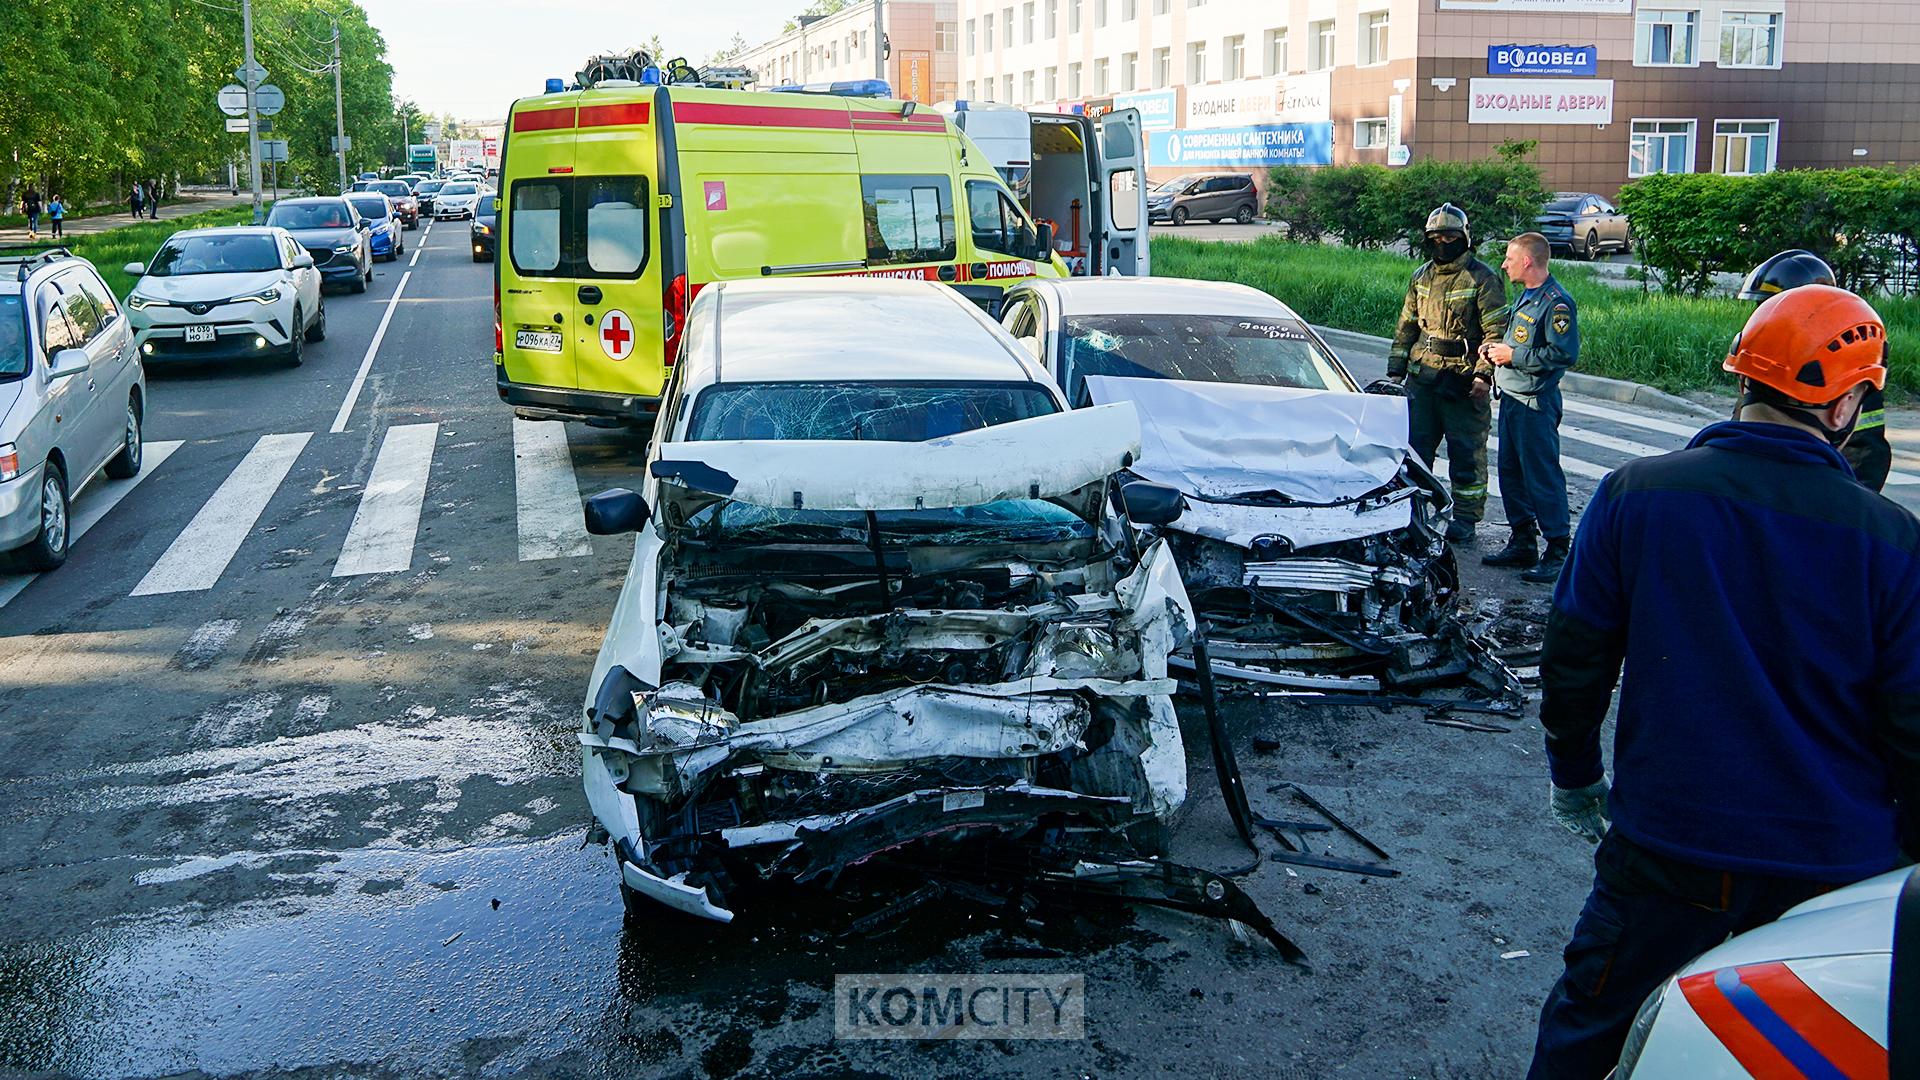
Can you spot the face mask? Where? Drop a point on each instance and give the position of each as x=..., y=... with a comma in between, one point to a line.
x=1446, y=249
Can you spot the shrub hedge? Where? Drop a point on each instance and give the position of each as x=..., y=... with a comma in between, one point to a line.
x=1372, y=206
x=1688, y=227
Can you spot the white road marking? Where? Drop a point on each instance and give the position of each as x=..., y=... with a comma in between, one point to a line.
x=1650, y=423
x=102, y=496
x=382, y=534
x=1572, y=466
x=416, y=255
x=551, y=522
x=200, y=554
x=366, y=362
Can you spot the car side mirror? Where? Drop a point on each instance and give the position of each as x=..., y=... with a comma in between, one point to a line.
x=365, y=225
x=1385, y=388
x=616, y=511
x=1148, y=503
x=303, y=261
x=67, y=363
x=135, y=269
x=1043, y=240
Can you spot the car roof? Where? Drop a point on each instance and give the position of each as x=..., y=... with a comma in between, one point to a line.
x=1159, y=296
x=311, y=200
x=851, y=330
x=232, y=230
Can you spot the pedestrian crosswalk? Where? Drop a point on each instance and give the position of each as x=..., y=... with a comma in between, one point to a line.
x=200, y=554
x=387, y=522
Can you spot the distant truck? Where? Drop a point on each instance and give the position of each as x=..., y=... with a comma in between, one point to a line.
x=421, y=157
x=1085, y=175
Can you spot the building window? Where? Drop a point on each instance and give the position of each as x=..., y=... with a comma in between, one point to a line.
x=1128, y=62
x=1026, y=87
x=1053, y=84
x=1052, y=21
x=1129, y=10
x=1101, y=86
x=1373, y=38
x=1006, y=87
x=1660, y=146
x=1196, y=63
x=1162, y=67
x=1665, y=38
x=1233, y=57
x=1026, y=23
x=1750, y=39
x=970, y=37
x=1073, y=16
x=1276, y=52
x=1371, y=133
x=986, y=32
x=944, y=36
x=1073, y=82
x=1322, y=34
x=1196, y=3
x=1744, y=147
x=970, y=94
x=1160, y=7
x=1099, y=13
x=1006, y=21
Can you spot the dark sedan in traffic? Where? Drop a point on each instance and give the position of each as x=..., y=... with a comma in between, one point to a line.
x=486, y=226
x=334, y=233
x=1584, y=224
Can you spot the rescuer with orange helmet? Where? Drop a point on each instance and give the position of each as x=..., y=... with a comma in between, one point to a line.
x=1766, y=609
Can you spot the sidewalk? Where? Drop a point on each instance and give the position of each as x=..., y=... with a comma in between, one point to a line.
x=186, y=204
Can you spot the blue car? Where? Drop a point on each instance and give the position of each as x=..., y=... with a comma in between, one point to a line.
x=387, y=235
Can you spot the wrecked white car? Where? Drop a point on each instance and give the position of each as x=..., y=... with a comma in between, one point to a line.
x=1312, y=538
x=880, y=608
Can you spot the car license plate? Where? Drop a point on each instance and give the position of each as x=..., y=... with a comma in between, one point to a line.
x=537, y=340
x=197, y=334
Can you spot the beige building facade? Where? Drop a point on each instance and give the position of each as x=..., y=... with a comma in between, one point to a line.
x=921, y=66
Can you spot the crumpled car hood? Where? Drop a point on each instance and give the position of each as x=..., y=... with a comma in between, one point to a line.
x=1221, y=440
x=1045, y=457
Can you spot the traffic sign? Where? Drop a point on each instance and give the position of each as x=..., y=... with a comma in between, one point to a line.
x=237, y=123
x=341, y=142
x=259, y=73
x=268, y=100
x=273, y=149
x=233, y=99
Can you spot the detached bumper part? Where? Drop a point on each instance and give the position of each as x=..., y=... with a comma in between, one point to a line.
x=676, y=894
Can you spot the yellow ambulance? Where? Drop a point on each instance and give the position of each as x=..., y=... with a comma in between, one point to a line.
x=618, y=202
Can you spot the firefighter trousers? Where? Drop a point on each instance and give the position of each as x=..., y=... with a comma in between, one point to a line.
x=1434, y=413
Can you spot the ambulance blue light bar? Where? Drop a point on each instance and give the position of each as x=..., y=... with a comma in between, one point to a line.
x=868, y=88
x=556, y=86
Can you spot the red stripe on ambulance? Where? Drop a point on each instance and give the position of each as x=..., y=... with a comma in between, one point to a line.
x=632, y=112
x=702, y=112
x=543, y=119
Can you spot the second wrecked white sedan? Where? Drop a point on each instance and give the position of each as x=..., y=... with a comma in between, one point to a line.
x=881, y=608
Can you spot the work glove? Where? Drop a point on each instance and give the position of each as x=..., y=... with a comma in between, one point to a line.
x=1582, y=810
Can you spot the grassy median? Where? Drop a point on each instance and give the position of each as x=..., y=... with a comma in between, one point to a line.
x=111, y=250
x=1674, y=343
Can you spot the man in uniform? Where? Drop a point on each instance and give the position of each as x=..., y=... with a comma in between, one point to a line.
x=1766, y=610
x=1867, y=451
x=1454, y=302
x=1542, y=341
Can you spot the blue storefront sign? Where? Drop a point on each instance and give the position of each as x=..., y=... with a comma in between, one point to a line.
x=1261, y=144
x=1542, y=59
x=1158, y=110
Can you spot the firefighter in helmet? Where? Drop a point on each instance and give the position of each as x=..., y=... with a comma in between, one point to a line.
x=1454, y=302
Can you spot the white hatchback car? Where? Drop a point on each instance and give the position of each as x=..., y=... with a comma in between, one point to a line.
x=227, y=294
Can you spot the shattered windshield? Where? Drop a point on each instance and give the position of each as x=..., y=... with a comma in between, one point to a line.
x=1198, y=348
x=875, y=412
x=887, y=412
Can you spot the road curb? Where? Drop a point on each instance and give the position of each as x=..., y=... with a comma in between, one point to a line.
x=1594, y=386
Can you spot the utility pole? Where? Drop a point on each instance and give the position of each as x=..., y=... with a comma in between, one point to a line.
x=879, y=42
x=339, y=111
x=406, y=142
x=253, y=113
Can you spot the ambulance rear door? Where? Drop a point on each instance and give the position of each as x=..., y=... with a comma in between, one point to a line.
x=536, y=299
x=619, y=336
x=1121, y=171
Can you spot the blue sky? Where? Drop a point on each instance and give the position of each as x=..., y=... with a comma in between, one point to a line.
x=473, y=57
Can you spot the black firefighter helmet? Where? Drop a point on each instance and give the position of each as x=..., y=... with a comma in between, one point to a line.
x=1787, y=270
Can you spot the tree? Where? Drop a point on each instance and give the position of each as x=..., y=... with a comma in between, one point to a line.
x=734, y=49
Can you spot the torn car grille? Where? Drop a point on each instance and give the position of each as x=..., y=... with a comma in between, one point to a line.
x=1323, y=575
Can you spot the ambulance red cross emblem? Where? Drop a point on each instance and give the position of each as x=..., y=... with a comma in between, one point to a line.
x=616, y=334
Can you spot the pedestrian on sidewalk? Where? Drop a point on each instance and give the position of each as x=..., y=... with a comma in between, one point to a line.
x=1868, y=450
x=153, y=201
x=30, y=206
x=1454, y=302
x=57, y=214
x=1767, y=611
x=137, y=200
x=1542, y=342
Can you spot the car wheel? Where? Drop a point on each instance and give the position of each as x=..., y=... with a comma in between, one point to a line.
x=1179, y=215
x=317, y=329
x=1593, y=244
x=48, y=548
x=1245, y=216
x=296, y=343
x=1626, y=244
x=126, y=463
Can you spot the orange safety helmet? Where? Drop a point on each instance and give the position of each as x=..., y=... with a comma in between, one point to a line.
x=1812, y=344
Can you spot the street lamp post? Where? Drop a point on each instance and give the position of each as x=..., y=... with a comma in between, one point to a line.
x=879, y=41
x=339, y=111
x=253, y=113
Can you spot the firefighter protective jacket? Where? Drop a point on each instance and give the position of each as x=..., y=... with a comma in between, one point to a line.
x=1449, y=310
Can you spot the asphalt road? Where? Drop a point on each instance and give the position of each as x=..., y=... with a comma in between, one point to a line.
x=289, y=785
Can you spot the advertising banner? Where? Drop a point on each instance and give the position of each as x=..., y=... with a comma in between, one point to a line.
x=1297, y=99
x=1158, y=108
x=463, y=152
x=490, y=152
x=1305, y=99
x=1543, y=59
x=916, y=76
x=1540, y=101
x=1564, y=7
x=1255, y=145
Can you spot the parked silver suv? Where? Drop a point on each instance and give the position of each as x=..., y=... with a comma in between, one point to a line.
x=72, y=392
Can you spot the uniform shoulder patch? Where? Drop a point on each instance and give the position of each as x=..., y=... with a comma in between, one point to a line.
x=1561, y=318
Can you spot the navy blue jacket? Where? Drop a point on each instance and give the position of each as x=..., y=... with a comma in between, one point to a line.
x=1767, y=611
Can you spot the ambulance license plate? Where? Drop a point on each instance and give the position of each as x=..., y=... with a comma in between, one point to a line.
x=199, y=334
x=537, y=340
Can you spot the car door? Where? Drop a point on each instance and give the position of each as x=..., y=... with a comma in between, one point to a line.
x=1121, y=175
x=68, y=401
x=116, y=366
x=1615, y=231
x=306, y=279
x=100, y=422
